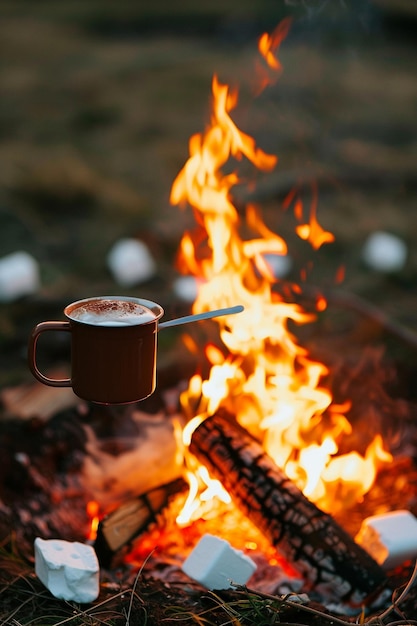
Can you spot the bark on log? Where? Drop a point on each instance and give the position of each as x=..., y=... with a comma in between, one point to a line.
x=331, y=562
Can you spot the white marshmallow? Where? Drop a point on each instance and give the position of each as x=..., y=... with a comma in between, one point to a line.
x=19, y=276
x=391, y=538
x=130, y=262
x=385, y=252
x=216, y=565
x=186, y=288
x=280, y=264
x=70, y=570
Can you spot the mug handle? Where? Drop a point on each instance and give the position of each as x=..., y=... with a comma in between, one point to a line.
x=33, y=340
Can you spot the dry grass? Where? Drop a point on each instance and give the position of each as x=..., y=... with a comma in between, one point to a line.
x=137, y=601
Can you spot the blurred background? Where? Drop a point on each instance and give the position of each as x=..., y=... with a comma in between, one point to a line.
x=99, y=99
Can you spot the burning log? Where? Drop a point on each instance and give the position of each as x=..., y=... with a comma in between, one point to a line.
x=329, y=559
x=122, y=526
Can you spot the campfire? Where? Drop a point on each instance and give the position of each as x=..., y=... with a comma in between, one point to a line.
x=261, y=375
x=254, y=448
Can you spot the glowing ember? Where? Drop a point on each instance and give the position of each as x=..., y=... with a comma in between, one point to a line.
x=262, y=375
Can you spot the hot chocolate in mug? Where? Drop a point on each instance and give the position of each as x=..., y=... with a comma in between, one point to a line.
x=113, y=347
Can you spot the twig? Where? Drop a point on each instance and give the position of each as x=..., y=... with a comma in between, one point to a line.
x=134, y=588
x=377, y=619
x=376, y=315
x=396, y=603
x=295, y=605
x=354, y=303
x=90, y=611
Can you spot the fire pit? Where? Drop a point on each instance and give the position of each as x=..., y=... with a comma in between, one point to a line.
x=53, y=470
x=299, y=435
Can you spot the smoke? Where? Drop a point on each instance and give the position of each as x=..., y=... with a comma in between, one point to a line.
x=312, y=7
x=348, y=19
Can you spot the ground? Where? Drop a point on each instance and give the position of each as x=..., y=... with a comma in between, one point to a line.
x=99, y=100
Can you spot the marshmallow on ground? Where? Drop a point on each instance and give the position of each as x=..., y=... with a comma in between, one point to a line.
x=385, y=252
x=390, y=538
x=130, y=262
x=186, y=288
x=70, y=570
x=216, y=565
x=19, y=276
x=280, y=264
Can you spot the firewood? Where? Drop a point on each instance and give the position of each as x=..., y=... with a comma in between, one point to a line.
x=53, y=469
x=118, y=468
x=331, y=563
x=118, y=529
x=33, y=399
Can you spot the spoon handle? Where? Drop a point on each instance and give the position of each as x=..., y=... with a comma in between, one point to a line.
x=201, y=316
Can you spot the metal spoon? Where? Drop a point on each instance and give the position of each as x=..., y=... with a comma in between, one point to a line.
x=201, y=316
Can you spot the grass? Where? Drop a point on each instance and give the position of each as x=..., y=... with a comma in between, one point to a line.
x=24, y=601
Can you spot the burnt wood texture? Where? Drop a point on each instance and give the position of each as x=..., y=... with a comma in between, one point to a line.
x=331, y=563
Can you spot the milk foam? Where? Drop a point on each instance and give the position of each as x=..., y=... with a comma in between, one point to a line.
x=112, y=313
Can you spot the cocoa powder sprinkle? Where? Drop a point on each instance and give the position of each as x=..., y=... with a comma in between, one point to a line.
x=100, y=307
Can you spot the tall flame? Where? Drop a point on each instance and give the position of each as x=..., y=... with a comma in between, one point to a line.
x=262, y=375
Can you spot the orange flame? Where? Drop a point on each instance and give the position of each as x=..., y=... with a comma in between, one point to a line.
x=312, y=231
x=268, y=46
x=94, y=519
x=267, y=380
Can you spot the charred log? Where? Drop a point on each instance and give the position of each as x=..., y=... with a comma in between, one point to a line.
x=331, y=562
